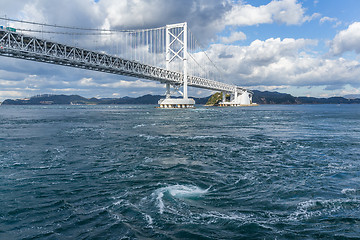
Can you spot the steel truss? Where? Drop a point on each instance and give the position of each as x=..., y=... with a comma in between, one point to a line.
x=21, y=46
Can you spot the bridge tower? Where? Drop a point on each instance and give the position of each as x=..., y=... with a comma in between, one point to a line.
x=177, y=50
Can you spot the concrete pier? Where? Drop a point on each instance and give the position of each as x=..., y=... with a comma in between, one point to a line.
x=176, y=103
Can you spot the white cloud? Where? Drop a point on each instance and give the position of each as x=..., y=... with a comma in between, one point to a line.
x=287, y=62
x=204, y=16
x=89, y=82
x=66, y=12
x=234, y=37
x=73, y=90
x=270, y=88
x=86, y=82
x=327, y=19
x=10, y=94
x=6, y=83
x=260, y=53
x=132, y=84
x=346, y=40
x=287, y=12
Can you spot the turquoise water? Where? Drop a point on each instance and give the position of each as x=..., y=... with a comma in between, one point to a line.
x=137, y=172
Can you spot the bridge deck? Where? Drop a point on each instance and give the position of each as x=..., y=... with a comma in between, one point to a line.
x=21, y=46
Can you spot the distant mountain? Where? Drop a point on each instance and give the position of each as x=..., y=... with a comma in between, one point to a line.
x=146, y=99
x=352, y=96
x=332, y=100
x=258, y=97
x=273, y=98
x=47, y=99
x=283, y=98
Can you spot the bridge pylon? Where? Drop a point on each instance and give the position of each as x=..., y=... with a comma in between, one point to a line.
x=177, y=49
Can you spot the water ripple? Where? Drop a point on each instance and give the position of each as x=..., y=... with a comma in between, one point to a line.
x=136, y=172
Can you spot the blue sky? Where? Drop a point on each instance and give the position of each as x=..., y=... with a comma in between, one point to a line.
x=301, y=47
x=342, y=13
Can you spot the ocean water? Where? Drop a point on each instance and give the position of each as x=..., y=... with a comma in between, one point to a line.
x=137, y=172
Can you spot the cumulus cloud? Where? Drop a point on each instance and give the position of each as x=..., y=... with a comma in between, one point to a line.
x=346, y=40
x=234, y=37
x=11, y=94
x=287, y=62
x=132, y=84
x=327, y=19
x=273, y=63
x=330, y=20
x=260, y=53
x=65, y=12
x=87, y=82
x=204, y=16
x=288, y=12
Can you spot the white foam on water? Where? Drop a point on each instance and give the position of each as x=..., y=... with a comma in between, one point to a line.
x=181, y=191
x=316, y=208
x=160, y=203
x=170, y=161
x=308, y=209
x=202, y=137
x=115, y=216
x=177, y=191
x=348, y=191
x=246, y=176
x=214, y=216
x=149, y=219
x=149, y=137
x=148, y=159
x=45, y=167
x=140, y=125
x=118, y=202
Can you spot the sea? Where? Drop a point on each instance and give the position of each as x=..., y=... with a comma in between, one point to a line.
x=139, y=172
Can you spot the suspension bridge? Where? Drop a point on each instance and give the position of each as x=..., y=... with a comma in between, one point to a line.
x=170, y=55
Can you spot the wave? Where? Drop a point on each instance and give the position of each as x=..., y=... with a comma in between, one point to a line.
x=316, y=208
x=179, y=192
x=349, y=191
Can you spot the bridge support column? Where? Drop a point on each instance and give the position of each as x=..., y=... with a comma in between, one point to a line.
x=223, y=101
x=168, y=93
x=185, y=62
x=236, y=96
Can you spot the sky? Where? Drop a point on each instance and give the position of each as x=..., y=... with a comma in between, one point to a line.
x=301, y=47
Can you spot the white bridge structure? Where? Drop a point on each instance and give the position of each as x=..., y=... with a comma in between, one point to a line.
x=170, y=55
